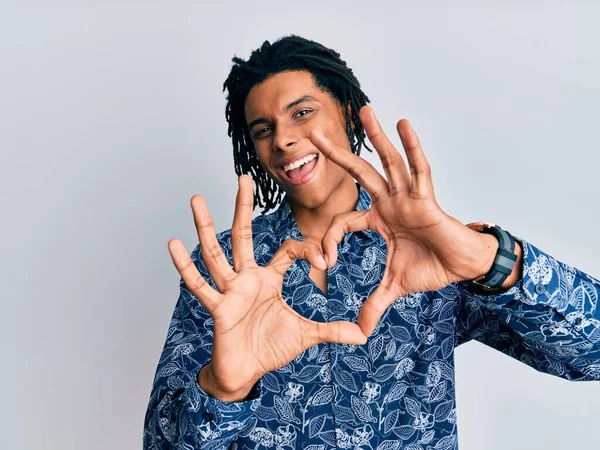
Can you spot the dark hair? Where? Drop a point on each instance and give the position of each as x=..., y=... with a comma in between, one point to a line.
x=292, y=52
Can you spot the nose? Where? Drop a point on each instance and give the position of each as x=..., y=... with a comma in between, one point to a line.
x=284, y=139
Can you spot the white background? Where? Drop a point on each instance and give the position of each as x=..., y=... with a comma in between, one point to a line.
x=112, y=117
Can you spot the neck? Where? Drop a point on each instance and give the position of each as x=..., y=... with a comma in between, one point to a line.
x=314, y=222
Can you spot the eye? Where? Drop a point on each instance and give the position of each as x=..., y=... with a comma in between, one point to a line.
x=298, y=114
x=260, y=132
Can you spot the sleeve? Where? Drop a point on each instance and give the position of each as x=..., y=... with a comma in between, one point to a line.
x=180, y=414
x=549, y=319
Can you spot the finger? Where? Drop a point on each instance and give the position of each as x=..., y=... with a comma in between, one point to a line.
x=358, y=168
x=392, y=162
x=420, y=170
x=192, y=277
x=374, y=307
x=340, y=332
x=341, y=225
x=212, y=254
x=241, y=230
x=291, y=250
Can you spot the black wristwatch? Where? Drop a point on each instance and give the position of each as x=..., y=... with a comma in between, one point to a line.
x=505, y=257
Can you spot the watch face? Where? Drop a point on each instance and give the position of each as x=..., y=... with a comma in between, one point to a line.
x=478, y=226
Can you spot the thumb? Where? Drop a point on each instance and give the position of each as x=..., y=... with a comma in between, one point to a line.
x=339, y=332
x=374, y=307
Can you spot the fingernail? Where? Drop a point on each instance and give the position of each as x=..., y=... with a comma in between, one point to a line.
x=322, y=260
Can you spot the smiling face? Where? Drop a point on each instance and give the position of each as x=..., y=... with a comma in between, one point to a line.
x=281, y=112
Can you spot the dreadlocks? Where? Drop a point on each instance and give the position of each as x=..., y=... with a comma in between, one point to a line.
x=329, y=72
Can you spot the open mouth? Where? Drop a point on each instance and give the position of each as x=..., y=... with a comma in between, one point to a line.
x=298, y=171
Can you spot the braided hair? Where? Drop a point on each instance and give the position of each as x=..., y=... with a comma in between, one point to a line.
x=330, y=73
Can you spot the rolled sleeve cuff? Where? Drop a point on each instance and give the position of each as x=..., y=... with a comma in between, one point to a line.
x=206, y=409
x=546, y=282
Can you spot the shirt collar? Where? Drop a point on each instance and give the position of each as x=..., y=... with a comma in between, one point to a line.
x=285, y=226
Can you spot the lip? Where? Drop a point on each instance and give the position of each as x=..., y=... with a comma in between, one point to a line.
x=304, y=178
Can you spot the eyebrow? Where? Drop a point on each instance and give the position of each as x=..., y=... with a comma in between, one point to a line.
x=303, y=99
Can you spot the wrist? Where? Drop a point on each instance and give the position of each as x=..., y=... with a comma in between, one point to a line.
x=206, y=381
x=488, y=254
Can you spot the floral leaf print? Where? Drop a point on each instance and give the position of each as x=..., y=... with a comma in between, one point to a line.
x=445, y=443
x=447, y=346
x=430, y=353
x=384, y=373
x=371, y=276
x=265, y=413
x=307, y=374
x=400, y=333
x=285, y=410
x=444, y=327
x=442, y=411
x=343, y=414
x=249, y=427
x=269, y=381
x=316, y=425
x=413, y=446
x=404, y=350
x=313, y=352
x=409, y=315
x=390, y=421
x=314, y=447
x=328, y=437
x=390, y=349
x=323, y=396
x=404, y=432
x=345, y=379
x=437, y=393
x=427, y=437
x=362, y=410
x=447, y=311
x=412, y=406
x=324, y=355
x=301, y=294
x=397, y=391
x=344, y=284
x=355, y=271
x=356, y=363
x=389, y=445
x=375, y=347
x=168, y=369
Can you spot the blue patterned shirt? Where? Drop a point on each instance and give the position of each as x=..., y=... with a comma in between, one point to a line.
x=394, y=392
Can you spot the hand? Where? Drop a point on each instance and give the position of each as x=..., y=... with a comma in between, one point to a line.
x=426, y=248
x=255, y=331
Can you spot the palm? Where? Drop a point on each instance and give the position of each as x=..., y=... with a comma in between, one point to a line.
x=255, y=331
x=254, y=320
x=426, y=248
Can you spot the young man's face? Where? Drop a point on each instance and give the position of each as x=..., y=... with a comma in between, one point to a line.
x=281, y=113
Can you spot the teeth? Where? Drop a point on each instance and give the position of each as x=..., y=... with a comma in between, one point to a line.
x=299, y=163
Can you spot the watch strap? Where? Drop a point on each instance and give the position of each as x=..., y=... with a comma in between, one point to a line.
x=505, y=259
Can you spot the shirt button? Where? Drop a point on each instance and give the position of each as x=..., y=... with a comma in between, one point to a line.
x=207, y=416
x=540, y=288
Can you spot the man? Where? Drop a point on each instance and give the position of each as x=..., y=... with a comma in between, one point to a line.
x=283, y=335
